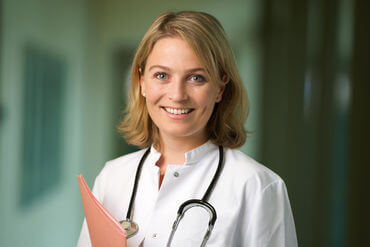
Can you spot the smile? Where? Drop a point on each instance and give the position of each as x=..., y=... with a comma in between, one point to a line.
x=177, y=111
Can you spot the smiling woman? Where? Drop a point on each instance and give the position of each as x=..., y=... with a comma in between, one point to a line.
x=187, y=108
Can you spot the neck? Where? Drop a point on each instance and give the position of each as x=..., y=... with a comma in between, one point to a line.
x=173, y=151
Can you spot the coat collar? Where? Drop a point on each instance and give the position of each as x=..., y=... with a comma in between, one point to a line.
x=191, y=157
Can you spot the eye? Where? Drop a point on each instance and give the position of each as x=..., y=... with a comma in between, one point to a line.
x=197, y=78
x=161, y=75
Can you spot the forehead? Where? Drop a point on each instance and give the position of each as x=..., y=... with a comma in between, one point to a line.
x=173, y=52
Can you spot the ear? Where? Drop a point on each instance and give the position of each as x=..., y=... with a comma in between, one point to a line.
x=141, y=81
x=222, y=88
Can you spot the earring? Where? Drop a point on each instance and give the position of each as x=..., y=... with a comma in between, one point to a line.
x=144, y=94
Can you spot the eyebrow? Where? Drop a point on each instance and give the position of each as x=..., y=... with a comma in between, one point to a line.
x=168, y=69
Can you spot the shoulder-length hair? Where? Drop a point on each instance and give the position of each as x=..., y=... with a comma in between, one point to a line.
x=207, y=38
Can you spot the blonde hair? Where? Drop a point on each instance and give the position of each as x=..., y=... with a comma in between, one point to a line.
x=207, y=38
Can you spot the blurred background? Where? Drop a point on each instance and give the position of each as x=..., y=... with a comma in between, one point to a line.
x=63, y=85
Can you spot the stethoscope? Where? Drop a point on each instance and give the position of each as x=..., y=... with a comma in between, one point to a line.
x=132, y=228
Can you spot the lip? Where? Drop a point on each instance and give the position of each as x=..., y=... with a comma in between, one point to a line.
x=177, y=116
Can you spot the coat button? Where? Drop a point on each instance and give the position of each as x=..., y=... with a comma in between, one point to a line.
x=154, y=235
x=176, y=174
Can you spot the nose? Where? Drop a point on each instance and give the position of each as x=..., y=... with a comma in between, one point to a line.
x=177, y=90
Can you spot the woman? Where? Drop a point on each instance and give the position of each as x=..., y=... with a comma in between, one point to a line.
x=186, y=99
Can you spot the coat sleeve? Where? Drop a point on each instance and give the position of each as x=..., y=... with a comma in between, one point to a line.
x=98, y=191
x=270, y=221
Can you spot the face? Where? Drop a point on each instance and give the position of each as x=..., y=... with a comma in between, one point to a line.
x=180, y=96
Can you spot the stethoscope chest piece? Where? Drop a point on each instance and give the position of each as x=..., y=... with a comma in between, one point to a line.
x=130, y=227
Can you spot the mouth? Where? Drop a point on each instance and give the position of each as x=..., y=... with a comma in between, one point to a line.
x=178, y=111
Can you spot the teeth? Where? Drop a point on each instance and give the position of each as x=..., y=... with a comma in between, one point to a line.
x=177, y=111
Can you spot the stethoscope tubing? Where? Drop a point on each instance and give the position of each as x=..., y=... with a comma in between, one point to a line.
x=185, y=207
x=137, y=177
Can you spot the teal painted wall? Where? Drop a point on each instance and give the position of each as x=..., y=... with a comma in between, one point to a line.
x=56, y=28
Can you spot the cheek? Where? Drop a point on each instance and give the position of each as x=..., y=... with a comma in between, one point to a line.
x=207, y=97
x=153, y=94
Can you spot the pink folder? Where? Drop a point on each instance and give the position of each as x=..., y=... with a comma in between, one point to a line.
x=104, y=229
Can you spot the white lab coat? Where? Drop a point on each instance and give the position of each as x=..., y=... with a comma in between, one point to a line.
x=251, y=201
